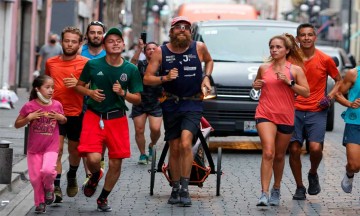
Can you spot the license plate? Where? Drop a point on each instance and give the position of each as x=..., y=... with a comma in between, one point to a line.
x=250, y=127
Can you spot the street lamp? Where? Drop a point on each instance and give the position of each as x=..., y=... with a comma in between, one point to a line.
x=312, y=8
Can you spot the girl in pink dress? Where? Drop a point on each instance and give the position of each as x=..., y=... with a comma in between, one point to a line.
x=43, y=115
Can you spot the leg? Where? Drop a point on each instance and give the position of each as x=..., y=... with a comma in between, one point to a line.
x=282, y=143
x=155, y=129
x=267, y=133
x=139, y=124
x=34, y=165
x=295, y=162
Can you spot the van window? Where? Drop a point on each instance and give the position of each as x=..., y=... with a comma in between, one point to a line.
x=240, y=43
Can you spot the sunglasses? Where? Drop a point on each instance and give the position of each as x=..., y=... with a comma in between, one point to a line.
x=96, y=23
x=182, y=27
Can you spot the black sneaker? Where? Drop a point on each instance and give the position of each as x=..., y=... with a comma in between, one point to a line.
x=41, y=208
x=185, y=199
x=90, y=187
x=300, y=193
x=314, y=186
x=174, y=197
x=103, y=206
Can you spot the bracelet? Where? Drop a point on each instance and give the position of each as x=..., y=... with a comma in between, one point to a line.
x=206, y=75
x=124, y=94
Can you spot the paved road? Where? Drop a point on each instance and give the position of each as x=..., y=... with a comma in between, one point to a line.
x=240, y=188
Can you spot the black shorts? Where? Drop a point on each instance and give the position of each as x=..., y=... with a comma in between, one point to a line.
x=154, y=110
x=282, y=128
x=174, y=123
x=72, y=128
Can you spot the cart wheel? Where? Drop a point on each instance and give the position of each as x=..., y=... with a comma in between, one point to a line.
x=153, y=172
x=218, y=172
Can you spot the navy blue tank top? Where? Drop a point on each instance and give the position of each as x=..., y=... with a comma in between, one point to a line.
x=188, y=82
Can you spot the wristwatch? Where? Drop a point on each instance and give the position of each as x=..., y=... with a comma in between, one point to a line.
x=292, y=83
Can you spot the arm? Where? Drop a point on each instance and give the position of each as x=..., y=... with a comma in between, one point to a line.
x=134, y=98
x=301, y=86
x=21, y=121
x=209, y=65
x=344, y=87
x=259, y=82
x=94, y=94
x=138, y=51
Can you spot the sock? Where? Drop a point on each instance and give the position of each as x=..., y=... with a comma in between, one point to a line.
x=104, y=194
x=95, y=176
x=349, y=176
x=72, y=171
x=184, y=183
x=57, y=180
x=176, y=185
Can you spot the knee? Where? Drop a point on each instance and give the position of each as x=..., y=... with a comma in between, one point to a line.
x=268, y=155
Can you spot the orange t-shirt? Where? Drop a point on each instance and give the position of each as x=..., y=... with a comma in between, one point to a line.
x=316, y=71
x=59, y=69
x=276, y=101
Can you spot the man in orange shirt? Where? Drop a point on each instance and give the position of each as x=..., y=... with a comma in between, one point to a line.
x=65, y=69
x=311, y=112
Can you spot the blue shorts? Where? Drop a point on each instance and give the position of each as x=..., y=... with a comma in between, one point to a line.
x=175, y=123
x=310, y=126
x=351, y=134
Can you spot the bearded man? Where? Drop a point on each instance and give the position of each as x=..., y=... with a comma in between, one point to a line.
x=185, y=84
x=65, y=69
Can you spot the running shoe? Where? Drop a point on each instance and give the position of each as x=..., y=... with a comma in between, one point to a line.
x=274, y=197
x=347, y=183
x=90, y=187
x=314, y=185
x=103, y=206
x=263, y=200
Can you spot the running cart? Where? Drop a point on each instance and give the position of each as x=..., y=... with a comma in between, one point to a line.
x=200, y=171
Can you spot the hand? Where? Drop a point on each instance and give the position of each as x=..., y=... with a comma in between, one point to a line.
x=355, y=104
x=118, y=89
x=281, y=76
x=325, y=102
x=173, y=74
x=97, y=95
x=35, y=115
x=55, y=115
x=70, y=82
x=206, y=87
x=258, y=84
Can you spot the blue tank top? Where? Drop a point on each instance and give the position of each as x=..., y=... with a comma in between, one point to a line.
x=188, y=82
x=352, y=116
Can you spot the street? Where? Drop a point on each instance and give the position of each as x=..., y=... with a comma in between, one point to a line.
x=240, y=187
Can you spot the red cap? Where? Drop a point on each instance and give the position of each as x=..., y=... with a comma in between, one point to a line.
x=180, y=19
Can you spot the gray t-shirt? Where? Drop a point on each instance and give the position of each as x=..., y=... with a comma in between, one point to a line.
x=47, y=51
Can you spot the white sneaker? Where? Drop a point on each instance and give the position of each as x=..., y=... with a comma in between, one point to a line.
x=346, y=184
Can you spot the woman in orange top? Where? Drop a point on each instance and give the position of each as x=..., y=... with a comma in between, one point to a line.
x=280, y=79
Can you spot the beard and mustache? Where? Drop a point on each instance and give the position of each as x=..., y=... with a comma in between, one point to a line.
x=180, y=42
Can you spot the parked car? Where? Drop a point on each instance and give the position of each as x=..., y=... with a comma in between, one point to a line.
x=238, y=48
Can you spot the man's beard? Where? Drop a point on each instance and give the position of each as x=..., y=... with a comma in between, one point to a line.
x=67, y=53
x=92, y=44
x=181, y=43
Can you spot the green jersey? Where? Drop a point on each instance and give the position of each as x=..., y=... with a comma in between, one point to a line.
x=102, y=76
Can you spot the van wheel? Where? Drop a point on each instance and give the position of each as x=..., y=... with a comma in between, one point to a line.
x=330, y=118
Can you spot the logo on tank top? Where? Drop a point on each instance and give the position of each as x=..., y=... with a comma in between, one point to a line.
x=352, y=116
x=170, y=59
x=123, y=77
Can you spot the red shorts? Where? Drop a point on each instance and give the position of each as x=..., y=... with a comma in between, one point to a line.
x=115, y=135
